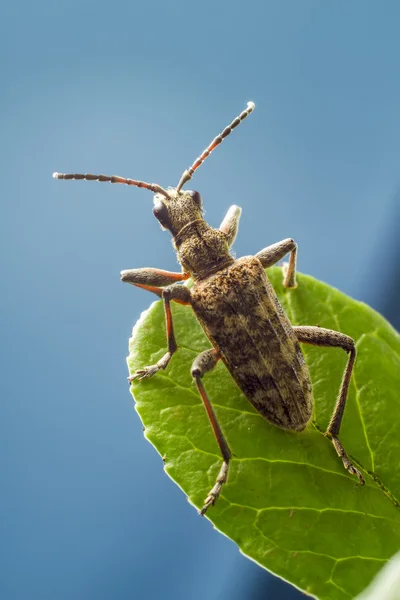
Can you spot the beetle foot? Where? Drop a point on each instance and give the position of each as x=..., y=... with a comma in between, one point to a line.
x=216, y=490
x=211, y=498
x=361, y=480
x=348, y=465
x=144, y=373
x=209, y=501
x=148, y=372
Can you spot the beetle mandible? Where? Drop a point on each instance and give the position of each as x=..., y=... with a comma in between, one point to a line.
x=237, y=307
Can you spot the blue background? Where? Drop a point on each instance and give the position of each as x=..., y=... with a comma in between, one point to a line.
x=138, y=90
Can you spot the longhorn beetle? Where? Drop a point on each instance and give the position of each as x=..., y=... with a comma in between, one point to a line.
x=236, y=305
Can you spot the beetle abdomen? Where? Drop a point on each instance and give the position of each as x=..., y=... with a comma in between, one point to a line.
x=243, y=318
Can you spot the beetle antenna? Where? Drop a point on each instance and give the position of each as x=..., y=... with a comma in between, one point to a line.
x=188, y=174
x=153, y=187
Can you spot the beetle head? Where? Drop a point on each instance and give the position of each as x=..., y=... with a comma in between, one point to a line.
x=177, y=209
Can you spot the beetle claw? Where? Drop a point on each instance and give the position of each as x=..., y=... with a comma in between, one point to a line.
x=352, y=469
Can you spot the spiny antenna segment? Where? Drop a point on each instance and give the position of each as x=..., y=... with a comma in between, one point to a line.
x=153, y=187
x=187, y=175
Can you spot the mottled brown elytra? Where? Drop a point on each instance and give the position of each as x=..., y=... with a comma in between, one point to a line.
x=237, y=307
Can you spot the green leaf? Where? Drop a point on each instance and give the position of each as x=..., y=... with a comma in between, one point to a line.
x=288, y=503
x=386, y=585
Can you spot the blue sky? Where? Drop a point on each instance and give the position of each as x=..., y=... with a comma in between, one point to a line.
x=139, y=90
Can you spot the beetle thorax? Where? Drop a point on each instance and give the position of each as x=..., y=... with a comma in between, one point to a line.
x=201, y=249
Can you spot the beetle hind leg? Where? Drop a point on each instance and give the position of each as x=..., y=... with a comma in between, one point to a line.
x=204, y=363
x=318, y=336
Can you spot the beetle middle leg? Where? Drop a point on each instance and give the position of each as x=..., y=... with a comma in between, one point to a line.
x=202, y=364
x=272, y=254
x=152, y=280
x=318, y=336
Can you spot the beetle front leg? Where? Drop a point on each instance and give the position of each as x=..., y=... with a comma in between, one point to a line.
x=272, y=254
x=204, y=363
x=152, y=279
x=177, y=293
x=318, y=336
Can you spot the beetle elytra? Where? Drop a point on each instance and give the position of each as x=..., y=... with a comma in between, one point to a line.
x=236, y=305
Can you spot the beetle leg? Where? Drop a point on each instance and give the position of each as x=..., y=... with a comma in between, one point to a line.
x=272, y=254
x=230, y=224
x=318, y=336
x=177, y=293
x=152, y=280
x=202, y=364
x=149, y=278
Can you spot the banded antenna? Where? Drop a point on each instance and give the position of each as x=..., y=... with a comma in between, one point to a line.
x=153, y=187
x=188, y=174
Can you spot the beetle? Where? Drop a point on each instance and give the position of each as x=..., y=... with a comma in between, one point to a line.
x=239, y=312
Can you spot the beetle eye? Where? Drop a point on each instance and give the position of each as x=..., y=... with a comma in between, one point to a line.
x=196, y=197
x=160, y=211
